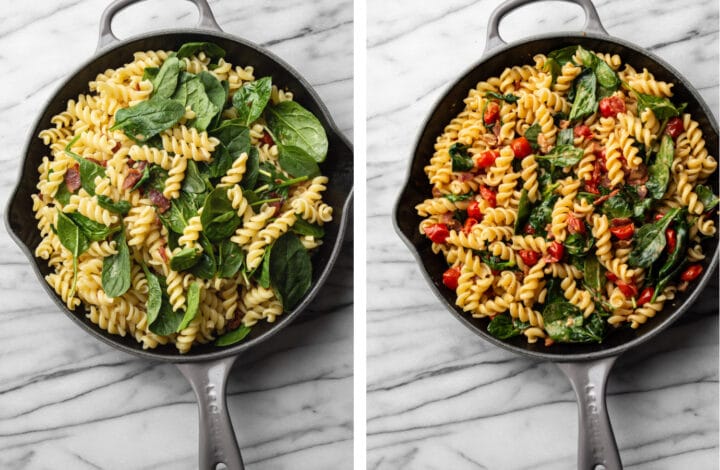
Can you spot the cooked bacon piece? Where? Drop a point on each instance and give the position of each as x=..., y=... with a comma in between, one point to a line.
x=267, y=139
x=72, y=178
x=132, y=177
x=159, y=200
x=117, y=147
x=140, y=166
x=638, y=175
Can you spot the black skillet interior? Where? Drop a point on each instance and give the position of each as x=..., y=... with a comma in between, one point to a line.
x=337, y=167
x=418, y=189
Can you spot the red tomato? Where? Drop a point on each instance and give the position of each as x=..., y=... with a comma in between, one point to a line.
x=611, y=106
x=521, y=147
x=469, y=222
x=489, y=195
x=450, y=277
x=438, y=233
x=267, y=139
x=576, y=225
x=674, y=127
x=659, y=216
x=581, y=130
x=610, y=276
x=473, y=210
x=492, y=112
x=623, y=232
x=628, y=289
x=691, y=273
x=529, y=229
x=529, y=257
x=591, y=185
x=556, y=251
x=645, y=296
x=671, y=239
x=486, y=159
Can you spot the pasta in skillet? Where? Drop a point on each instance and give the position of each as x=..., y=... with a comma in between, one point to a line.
x=181, y=200
x=569, y=197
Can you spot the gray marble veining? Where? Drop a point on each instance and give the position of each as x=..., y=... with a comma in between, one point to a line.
x=69, y=401
x=438, y=396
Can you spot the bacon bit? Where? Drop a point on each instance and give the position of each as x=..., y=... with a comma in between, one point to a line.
x=267, y=139
x=131, y=162
x=117, y=147
x=682, y=287
x=133, y=177
x=638, y=175
x=465, y=176
x=159, y=200
x=72, y=178
x=496, y=128
x=549, y=341
x=236, y=321
x=140, y=166
x=604, y=198
x=490, y=139
x=163, y=253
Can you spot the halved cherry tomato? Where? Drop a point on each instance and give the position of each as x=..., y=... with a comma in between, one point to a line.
x=469, y=222
x=489, y=195
x=591, y=185
x=627, y=288
x=671, y=239
x=521, y=147
x=610, y=276
x=473, y=210
x=486, y=159
x=658, y=216
x=450, y=277
x=576, y=225
x=438, y=233
x=645, y=296
x=529, y=257
x=691, y=273
x=623, y=232
x=674, y=127
x=492, y=112
x=582, y=130
x=555, y=251
x=611, y=106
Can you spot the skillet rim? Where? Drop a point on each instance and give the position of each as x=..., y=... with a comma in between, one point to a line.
x=463, y=317
x=217, y=352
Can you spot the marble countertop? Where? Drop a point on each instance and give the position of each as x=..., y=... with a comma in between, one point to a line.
x=438, y=396
x=69, y=401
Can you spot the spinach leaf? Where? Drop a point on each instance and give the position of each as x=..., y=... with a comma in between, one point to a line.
x=617, y=207
x=62, y=195
x=252, y=169
x=659, y=172
x=264, y=279
x=663, y=282
x=157, y=179
x=663, y=108
x=509, y=98
x=167, y=320
x=231, y=259
x=290, y=270
x=496, y=263
x=606, y=76
x=233, y=336
x=706, y=196
x=293, y=125
x=193, y=182
x=116, y=269
x=461, y=161
x=94, y=231
x=564, y=323
x=650, y=241
x=89, y=170
x=531, y=134
x=191, y=307
x=198, y=100
x=303, y=227
x=150, y=73
x=234, y=139
x=148, y=118
x=154, y=299
x=72, y=238
x=219, y=219
x=459, y=197
x=211, y=50
x=296, y=162
x=250, y=100
x=184, y=259
x=578, y=245
x=215, y=91
x=181, y=210
x=206, y=267
x=181, y=92
x=541, y=215
x=585, y=102
x=563, y=55
x=166, y=81
x=594, y=275
x=562, y=156
x=504, y=327
x=523, y=214
x=681, y=241
x=566, y=137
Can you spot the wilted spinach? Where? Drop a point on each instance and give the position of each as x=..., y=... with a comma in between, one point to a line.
x=165, y=82
x=659, y=172
x=219, y=219
x=303, y=227
x=211, y=50
x=650, y=241
x=233, y=336
x=461, y=161
x=706, y=196
x=184, y=259
x=148, y=118
x=562, y=156
x=508, y=98
x=116, y=269
x=523, y=214
x=191, y=306
x=72, y=238
x=296, y=162
x=154, y=298
x=94, y=231
x=531, y=134
x=564, y=322
x=251, y=99
x=293, y=125
x=504, y=327
x=290, y=270
x=585, y=102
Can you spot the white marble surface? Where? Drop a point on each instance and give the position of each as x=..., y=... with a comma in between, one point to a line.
x=438, y=396
x=69, y=402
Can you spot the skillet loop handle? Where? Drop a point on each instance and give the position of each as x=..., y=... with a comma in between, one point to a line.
x=206, y=20
x=217, y=437
x=597, y=449
x=493, y=40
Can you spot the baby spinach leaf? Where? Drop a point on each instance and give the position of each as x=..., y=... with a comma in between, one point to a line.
x=89, y=170
x=181, y=92
x=509, y=98
x=252, y=169
x=234, y=139
x=198, y=100
x=531, y=134
x=523, y=214
x=251, y=99
x=664, y=281
x=231, y=259
x=184, y=259
x=116, y=269
x=585, y=102
x=148, y=118
x=290, y=270
x=264, y=279
x=181, y=210
x=663, y=108
x=293, y=125
x=503, y=327
x=461, y=161
x=94, y=231
x=166, y=81
x=540, y=215
x=193, y=182
x=70, y=235
x=705, y=195
x=564, y=323
x=566, y=137
x=677, y=256
x=167, y=320
x=617, y=207
x=62, y=195
x=191, y=307
x=577, y=244
x=219, y=219
x=206, y=267
x=144, y=178
x=606, y=76
x=303, y=227
x=154, y=299
x=157, y=178
x=594, y=275
x=215, y=91
x=150, y=73
x=233, y=336
x=659, y=172
x=296, y=162
x=496, y=263
x=211, y=50
x=562, y=156
x=563, y=55
x=650, y=241
x=459, y=197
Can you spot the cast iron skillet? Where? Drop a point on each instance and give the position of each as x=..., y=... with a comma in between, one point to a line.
x=586, y=365
x=207, y=366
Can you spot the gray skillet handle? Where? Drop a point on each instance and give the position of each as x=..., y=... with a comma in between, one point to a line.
x=205, y=21
x=597, y=449
x=493, y=41
x=217, y=437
